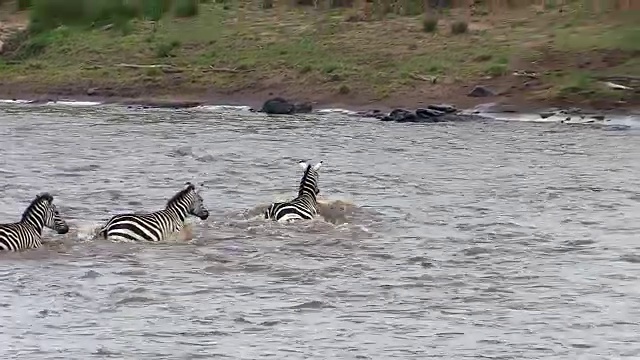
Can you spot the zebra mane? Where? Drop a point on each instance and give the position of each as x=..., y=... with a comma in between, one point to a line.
x=181, y=193
x=35, y=202
x=304, y=178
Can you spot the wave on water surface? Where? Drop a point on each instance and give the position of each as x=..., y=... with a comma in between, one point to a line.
x=332, y=215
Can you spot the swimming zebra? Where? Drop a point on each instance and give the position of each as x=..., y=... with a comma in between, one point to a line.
x=27, y=234
x=156, y=226
x=303, y=207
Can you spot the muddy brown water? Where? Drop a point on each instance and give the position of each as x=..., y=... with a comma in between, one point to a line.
x=500, y=240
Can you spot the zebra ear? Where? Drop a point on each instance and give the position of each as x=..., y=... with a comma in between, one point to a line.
x=317, y=166
x=303, y=165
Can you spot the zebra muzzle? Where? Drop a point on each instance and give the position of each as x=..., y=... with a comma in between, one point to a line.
x=63, y=229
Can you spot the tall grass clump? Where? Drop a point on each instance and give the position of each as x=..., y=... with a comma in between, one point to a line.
x=186, y=8
x=49, y=14
x=153, y=9
x=23, y=4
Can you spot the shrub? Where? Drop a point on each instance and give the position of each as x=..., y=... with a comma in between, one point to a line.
x=496, y=69
x=344, y=89
x=153, y=9
x=49, y=14
x=23, y=4
x=429, y=24
x=165, y=49
x=459, y=27
x=186, y=8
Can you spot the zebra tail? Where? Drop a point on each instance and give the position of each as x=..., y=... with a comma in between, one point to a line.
x=103, y=232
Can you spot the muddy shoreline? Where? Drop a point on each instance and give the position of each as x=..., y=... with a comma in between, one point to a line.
x=255, y=99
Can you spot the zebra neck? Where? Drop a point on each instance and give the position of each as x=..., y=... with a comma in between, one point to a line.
x=179, y=212
x=34, y=224
x=309, y=195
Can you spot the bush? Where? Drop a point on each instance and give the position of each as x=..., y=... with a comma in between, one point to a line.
x=496, y=69
x=165, y=49
x=22, y=46
x=186, y=8
x=102, y=12
x=429, y=24
x=49, y=14
x=23, y=4
x=344, y=89
x=459, y=27
x=153, y=9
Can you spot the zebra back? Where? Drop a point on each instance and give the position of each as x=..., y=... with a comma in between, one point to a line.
x=305, y=205
x=156, y=226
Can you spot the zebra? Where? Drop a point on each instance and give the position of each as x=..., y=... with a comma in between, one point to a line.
x=156, y=226
x=303, y=207
x=27, y=233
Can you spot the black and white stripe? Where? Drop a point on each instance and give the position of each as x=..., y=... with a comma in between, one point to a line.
x=303, y=207
x=157, y=226
x=27, y=234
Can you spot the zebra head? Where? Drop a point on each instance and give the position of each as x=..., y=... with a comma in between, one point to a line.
x=42, y=212
x=190, y=201
x=309, y=181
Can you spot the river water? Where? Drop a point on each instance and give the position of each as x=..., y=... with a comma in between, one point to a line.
x=499, y=240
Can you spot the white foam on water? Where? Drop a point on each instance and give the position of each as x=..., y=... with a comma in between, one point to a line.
x=222, y=107
x=9, y=101
x=624, y=122
x=61, y=102
x=75, y=103
x=524, y=117
x=336, y=110
x=85, y=230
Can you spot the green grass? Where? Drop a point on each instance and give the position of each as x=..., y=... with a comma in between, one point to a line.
x=49, y=14
x=301, y=47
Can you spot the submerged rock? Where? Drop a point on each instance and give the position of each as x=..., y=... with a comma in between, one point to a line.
x=281, y=106
x=400, y=115
x=547, y=114
x=302, y=108
x=278, y=106
x=449, y=109
x=375, y=113
x=429, y=114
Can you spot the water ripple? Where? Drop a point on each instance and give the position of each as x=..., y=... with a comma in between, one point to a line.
x=504, y=240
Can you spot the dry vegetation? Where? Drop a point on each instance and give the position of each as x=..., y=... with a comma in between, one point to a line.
x=346, y=51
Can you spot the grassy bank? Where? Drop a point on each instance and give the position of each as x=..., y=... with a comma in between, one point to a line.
x=357, y=54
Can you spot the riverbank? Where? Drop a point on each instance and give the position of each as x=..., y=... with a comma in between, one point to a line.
x=242, y=54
